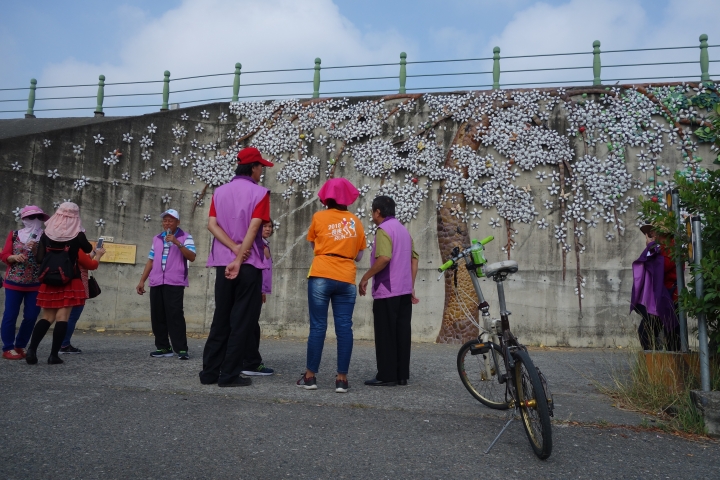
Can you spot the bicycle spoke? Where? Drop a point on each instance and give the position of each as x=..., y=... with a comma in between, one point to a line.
x=533, y=405
x=479, y=373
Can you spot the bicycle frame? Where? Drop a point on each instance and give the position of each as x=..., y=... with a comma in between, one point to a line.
x=526, y=390
x=506, y=341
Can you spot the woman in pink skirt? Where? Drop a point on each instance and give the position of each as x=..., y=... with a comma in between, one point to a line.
x=64, y=236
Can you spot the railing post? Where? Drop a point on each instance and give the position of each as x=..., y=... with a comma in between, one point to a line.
x=100, y=96
x=673, y=195
x=596, y=63
x=704, y=59
x=701, y=318
x=403, y=71
x=166, y=91
x=496, y=68
x=236, y=82
x=31, y=99
x=316, y=79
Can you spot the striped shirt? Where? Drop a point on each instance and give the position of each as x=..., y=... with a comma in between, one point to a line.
x=188, y=243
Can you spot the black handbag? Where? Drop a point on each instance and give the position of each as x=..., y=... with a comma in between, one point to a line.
x=93, y=287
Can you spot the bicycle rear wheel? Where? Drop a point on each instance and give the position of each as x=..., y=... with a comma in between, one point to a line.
x=479, y=373
x=533, y=405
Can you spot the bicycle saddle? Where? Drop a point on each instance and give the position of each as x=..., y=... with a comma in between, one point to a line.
x=506, y=266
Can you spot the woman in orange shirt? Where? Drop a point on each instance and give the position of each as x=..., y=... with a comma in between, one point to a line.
x=338, y=240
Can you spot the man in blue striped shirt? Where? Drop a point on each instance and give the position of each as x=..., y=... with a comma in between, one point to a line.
x=168, y=280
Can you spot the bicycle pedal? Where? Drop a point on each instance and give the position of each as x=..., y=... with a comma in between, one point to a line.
x=479, y=348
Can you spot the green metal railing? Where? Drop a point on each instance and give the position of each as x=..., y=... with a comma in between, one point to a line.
x=683, y=69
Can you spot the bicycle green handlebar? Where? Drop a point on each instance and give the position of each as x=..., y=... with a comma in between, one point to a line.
x=446, y=265
x=487, y=240
x=464, y=253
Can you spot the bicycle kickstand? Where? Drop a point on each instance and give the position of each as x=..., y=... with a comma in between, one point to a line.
x=512, y=417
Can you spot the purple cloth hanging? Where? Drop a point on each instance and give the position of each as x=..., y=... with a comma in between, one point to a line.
x=649, y=287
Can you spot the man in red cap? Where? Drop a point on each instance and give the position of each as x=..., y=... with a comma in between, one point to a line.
x=237, y=212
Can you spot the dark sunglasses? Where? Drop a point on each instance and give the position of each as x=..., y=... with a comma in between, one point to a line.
x=33, y=217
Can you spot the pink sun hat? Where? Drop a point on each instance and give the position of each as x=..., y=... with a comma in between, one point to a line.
x=29, y=210
x=65, y=224
x=340, y=190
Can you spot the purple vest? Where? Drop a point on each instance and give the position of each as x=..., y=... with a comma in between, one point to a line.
x=176, y=267
x=396, y=278
x=234, y=206
x=267, y=276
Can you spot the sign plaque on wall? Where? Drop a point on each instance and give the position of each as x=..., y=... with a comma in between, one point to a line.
x=118, y=253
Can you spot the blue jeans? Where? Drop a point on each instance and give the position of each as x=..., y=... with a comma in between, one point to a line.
x=72, y=321
x=322, y=291
x=13, y=299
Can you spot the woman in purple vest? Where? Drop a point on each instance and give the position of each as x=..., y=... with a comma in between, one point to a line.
x=252, y=364
x=168, y=281
x=267, y=232
x=393, y=267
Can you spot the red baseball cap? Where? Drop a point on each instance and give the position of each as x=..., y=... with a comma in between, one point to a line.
x=252, y=155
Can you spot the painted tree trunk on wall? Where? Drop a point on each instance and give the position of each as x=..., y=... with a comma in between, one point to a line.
x=452, y=232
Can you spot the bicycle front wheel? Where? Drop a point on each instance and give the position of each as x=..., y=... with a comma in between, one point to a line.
x=533, y=405
x=479, y=373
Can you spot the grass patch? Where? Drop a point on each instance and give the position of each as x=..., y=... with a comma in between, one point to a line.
x=671, y=406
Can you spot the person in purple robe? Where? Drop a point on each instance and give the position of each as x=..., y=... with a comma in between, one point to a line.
x=651, y=298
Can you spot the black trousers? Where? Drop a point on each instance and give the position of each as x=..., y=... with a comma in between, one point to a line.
x=253, y=359
x=237, y=311
x=649, y=331
x=167, y=317
x=392, y=318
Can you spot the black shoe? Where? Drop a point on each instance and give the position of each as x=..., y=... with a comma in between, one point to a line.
x=69, y=349
x=31, y=356
x=402, y=382
x=262, y=370
x=308, y=383
x=183, y=355
x=238, y=382
x=379, y=383
x=341, y=386
x=54, y=360
x=162, y=352
x=207, y=379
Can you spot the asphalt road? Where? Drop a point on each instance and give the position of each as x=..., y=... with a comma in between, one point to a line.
x=113, y=412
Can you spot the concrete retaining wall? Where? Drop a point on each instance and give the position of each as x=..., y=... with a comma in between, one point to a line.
x=545, y=306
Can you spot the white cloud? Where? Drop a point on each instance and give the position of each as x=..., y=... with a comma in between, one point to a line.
x=618, y=24
x=684, y=21
x=572, y=27
x=209, y=36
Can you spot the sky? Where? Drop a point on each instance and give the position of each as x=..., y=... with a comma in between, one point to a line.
x=73, y=42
